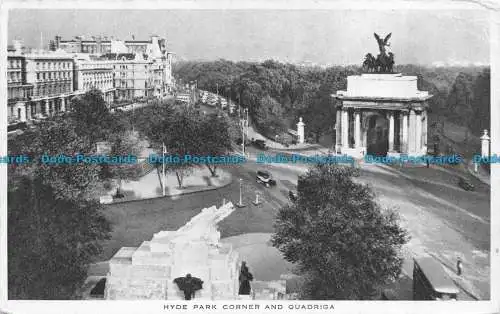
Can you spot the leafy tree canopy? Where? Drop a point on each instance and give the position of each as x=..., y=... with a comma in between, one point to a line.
x=344, y=244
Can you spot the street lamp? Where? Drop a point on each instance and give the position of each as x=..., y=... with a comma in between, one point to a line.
x=276, y=141
x=243, y=136
x=163, y=166
x=246, y=121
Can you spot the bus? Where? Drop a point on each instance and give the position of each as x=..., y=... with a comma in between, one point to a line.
x=430, y=282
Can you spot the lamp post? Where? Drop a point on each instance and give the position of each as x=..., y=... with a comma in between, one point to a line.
x=246, y=122
x=243, y=136
x=276, y=141
x=133, y=118
x=163, y=166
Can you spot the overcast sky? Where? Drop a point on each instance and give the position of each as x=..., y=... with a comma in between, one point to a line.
x=322, y=37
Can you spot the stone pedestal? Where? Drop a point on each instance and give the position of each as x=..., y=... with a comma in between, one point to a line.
x=148, y=271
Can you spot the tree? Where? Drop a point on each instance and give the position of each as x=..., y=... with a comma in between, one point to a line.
x=57, y=137
x=215, y=138
x=91, y=116
x=268, y=117
x=51, y=240
x=183, y=138
x=460, y=99
x=481, y=103
x=343, y=243
x=123, y=144
x=55, y=227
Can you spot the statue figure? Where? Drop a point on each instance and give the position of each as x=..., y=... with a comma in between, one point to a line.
x=189, y=285
x=384, y=62
x=244, y=279
x=370, y=63
x=382, y=43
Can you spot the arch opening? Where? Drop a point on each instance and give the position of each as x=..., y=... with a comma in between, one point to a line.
x=377, y=135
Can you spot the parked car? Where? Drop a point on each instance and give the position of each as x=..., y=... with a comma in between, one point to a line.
x=239, y=141
x=265, y=178
x=260, y=144
x=466, y=185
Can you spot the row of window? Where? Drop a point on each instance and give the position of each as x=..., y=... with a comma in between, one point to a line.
x=53, y=75
x=52, y=90
x=97, y=74
x=18, y=92
x=14, y=76
x=88, y=86
x=15, y=64
x=53, y=65
x=125, y=67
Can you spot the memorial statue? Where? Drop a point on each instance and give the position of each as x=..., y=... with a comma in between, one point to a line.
x=244, y=279
x=382, y=43
x=384, y=61
x=189, y=285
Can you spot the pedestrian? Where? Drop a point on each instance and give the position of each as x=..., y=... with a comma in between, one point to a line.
x=189, y=285
x=244, y=279
x=459, y=266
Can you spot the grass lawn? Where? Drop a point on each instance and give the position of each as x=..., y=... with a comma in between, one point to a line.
x=135, y=222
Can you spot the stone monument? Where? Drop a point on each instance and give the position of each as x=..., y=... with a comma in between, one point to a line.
x=147, y=272
x=300, y=131
x=381, y=113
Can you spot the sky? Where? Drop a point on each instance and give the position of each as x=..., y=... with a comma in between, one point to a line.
x=298, y=36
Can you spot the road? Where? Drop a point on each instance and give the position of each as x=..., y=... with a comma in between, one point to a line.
x=443, y=220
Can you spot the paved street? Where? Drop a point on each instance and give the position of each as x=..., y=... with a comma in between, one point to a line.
x=443, y=220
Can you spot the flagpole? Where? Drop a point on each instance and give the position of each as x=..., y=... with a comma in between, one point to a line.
x=163, y=167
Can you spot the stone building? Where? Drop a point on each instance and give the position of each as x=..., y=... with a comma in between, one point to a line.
x=133, y=76
x=90, y=73
x=39, y=84
x=18, y=90
x=381, y=114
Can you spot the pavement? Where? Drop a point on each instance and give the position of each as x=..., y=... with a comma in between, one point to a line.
x=150, y=185
x=265, y=262
x=480, y=174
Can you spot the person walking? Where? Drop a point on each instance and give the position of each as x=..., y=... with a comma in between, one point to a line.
x=459, y=266
x=244, y=279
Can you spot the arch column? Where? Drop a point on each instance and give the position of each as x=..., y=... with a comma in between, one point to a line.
x=424, y=132
x=338, y=130
x=391, y=131
x=412, y=133
x=404, y=132
x=357, y=129
x=418, y=132
x=345, y=129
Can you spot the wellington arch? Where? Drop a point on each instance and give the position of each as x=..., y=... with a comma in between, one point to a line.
x=381, y=114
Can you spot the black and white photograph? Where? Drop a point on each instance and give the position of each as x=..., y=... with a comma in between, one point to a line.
x=271, y=156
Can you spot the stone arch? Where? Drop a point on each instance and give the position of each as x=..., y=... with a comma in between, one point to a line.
x=376, y=133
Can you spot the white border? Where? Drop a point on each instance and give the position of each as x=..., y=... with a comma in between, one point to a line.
x=492, y=306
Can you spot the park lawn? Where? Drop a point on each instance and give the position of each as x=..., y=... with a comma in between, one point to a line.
x=137, y=221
